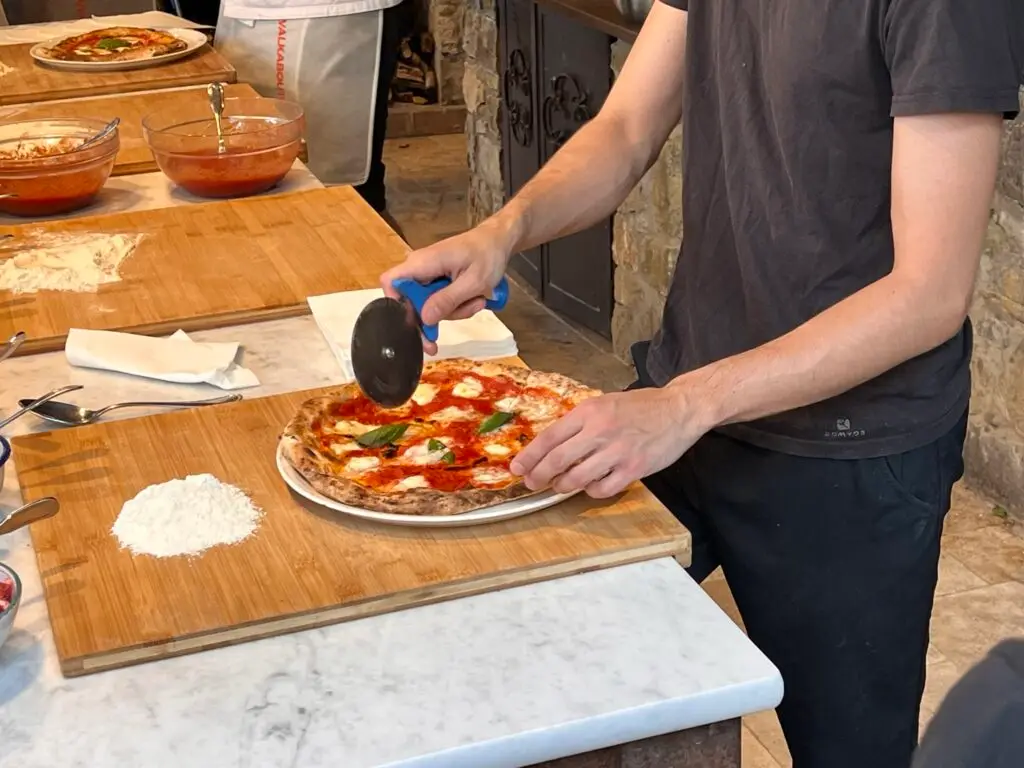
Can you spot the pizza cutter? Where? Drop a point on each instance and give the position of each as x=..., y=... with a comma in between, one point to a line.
x=387, y=340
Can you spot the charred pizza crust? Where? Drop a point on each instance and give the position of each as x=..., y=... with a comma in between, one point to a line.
x=549, y=396
x=141, y=44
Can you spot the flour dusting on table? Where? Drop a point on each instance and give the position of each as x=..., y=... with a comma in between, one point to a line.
x=185, y=517
x=5, y=70
x=65, y=262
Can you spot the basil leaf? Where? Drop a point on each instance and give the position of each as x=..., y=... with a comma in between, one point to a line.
x=375, y=438
x=112, y=44
x=435, y=445
x=494, y=421
x=448, y=458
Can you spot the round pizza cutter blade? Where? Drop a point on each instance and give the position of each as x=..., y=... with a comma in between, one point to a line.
x=387, y=351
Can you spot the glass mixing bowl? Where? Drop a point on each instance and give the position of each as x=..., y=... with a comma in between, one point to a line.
x=42, y=173
x=262, y=139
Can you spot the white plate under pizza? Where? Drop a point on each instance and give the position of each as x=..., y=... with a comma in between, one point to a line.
x=118, y=49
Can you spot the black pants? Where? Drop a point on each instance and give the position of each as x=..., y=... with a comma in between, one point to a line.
x=833, y=564
x=398, y=21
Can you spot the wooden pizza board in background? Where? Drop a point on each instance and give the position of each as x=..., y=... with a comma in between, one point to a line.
x=134, y=156
x=211, y=265
x=33, y=82
x=304, y=567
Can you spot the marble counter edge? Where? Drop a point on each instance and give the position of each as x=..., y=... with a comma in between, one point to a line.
x=608, y=730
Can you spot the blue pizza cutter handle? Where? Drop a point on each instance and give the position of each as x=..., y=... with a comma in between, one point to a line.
x=418, y=293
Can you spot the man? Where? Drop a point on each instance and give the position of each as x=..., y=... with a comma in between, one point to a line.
x=802, y=408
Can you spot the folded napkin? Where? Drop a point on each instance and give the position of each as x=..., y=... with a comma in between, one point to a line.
x=481, y=337
x=176, y=358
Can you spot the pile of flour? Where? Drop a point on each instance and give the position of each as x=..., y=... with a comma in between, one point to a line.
x=5, y=70
x=185, y=517
x=67, y=262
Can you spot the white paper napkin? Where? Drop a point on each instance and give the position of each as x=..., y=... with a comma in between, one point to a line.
x=177, y=358
x=481, y=337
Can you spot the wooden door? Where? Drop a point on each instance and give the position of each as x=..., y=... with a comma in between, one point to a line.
x=575, y=77
x=520, y=144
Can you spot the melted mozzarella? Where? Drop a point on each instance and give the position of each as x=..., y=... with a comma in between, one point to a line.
x=537, y=409
x=362, y=463
x=342, y=448
x=490, y=475
x=507, y=404
x=497, y=449
x=352, y=428
x=424, y=394
x=451, y=413
x=413, y=481
x=420, y=454
x=469, y=388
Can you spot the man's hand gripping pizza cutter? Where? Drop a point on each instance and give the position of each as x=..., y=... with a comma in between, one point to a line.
x=387, y=348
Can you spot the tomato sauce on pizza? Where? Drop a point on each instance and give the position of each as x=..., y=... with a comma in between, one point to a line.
x=446, y=451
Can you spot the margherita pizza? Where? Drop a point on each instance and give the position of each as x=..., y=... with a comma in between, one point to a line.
x=115, y=44
x=445, y=452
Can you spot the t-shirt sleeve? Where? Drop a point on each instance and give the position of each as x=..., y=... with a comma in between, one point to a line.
x=682, y=5
x=954, y=56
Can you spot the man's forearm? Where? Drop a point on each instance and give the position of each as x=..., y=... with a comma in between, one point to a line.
x=581, y=185
x=858, y=339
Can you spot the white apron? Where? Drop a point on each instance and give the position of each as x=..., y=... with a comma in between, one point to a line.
x=322, y=55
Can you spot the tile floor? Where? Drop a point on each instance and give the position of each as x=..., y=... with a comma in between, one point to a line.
x=980, y=596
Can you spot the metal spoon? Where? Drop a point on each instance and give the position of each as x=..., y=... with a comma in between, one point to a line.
x=216, y=93
x=11, y=345
x=33, y=512
x=44, y=399
x=107, y=130
x=71, y=415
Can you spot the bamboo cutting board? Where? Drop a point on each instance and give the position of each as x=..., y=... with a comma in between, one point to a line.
x=210, y=265
x=32, y=82
x=134, y=156
x=304, y=567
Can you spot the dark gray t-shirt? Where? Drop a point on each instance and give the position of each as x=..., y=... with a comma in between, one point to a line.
x=788, y=129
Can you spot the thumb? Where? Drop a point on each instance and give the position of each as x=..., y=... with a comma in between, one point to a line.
x=422, y=266
x=443, y=304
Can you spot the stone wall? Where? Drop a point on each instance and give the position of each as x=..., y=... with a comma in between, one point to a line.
x=445, y=22
x=647, y=231
x=995, y=444
x=481, y=90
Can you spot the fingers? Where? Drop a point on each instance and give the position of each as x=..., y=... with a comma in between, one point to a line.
x=610, y=485
x=468, y=309
x=423, y=265
x=551, y=452
x=465, y=290
x=584, y=474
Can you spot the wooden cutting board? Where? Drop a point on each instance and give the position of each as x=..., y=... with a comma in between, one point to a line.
x=211, y=265
x=32, y=82
x=304, y=567
x=134, y=156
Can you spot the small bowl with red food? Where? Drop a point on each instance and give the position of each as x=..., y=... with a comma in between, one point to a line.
x=42, y=170
x=262, y=139
x=10, y=598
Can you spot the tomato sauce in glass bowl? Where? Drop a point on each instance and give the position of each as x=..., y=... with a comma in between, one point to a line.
x=262, y=139
x=42, y=171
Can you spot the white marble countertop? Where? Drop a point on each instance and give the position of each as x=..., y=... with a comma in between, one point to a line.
x=504, y=679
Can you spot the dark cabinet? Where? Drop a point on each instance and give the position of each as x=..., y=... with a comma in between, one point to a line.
x=555, y=76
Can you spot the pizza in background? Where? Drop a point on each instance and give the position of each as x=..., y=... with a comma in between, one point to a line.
x=115, y=44
x=445, y=452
